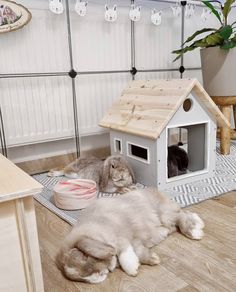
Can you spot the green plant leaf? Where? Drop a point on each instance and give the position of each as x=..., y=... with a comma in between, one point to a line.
x=183, y=51
x=214, y=39
x=229, y=45
x=201, y=43
x=226, y=31
x=214, y=11
x=227, y=8
x=197, y=33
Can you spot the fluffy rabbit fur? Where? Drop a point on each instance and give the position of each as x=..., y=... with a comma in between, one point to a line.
x=122, y=230
x=111, y=175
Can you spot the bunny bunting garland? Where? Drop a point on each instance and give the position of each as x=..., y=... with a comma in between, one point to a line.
x=56, y=6
x=110, y=13
x=81, y=7
x=134, y=14
x=156, y=17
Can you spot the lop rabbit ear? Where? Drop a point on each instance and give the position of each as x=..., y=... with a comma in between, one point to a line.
x=105, y=174
x=95, y=248
x=129, y=168
x=64, y=257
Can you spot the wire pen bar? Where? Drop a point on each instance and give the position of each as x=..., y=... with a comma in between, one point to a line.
x=74, y=98
x=93, y=72
x=158, y=70
x=2, y=135
x=29, y=75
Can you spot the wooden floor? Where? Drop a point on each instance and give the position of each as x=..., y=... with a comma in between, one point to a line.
x=187, y=265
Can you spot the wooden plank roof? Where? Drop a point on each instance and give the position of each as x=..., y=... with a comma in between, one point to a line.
x=146, y=107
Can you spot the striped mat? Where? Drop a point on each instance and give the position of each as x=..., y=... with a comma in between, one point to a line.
x=187, y=194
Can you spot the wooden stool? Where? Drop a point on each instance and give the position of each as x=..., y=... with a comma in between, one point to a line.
x=225, y=103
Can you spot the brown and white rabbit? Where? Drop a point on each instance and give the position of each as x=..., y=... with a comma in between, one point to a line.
x=111, y=175
x=123, y=230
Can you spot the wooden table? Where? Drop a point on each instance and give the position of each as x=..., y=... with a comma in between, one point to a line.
x=225, y=103
x=20, y=265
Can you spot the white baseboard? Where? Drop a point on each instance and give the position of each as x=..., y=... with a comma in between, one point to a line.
x=31, y=152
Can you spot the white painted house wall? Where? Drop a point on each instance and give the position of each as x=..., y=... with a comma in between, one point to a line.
x=196, y=115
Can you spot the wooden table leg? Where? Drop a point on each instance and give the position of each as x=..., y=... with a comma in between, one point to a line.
x=225, y=132
x=234, y=113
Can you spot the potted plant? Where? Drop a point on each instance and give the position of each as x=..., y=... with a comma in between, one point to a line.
x=218, y=56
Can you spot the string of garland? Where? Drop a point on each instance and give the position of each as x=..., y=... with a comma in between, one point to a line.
x=111, y=12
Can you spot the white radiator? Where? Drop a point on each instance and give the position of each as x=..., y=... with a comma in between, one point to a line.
x=41, y=109
x=36, y=109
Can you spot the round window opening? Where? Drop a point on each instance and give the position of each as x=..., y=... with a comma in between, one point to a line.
x=187, y=105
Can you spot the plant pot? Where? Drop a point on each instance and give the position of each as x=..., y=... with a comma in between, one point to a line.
x=219, y=71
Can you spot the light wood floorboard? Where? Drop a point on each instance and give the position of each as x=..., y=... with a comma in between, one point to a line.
x=187, y=265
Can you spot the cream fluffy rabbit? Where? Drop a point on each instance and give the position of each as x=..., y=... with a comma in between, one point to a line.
x=123, y=230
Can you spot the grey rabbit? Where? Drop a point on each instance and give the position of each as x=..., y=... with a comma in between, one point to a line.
x=111, y=175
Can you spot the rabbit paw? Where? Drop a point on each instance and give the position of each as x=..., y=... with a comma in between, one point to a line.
x=123, y=190
x=191, y=225
x=133, y=187
x=113, y=264
x=154, y=259
x=129, y=261
x=127, y=189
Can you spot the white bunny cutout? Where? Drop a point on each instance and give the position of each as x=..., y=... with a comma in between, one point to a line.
x=56, y=6
x=176, y=10
x=110, y=13
x=156, y=17
x=81, y=7
x=135, y=12
x=189, y=10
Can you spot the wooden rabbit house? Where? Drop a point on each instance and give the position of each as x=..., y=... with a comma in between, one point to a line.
x=144, y=120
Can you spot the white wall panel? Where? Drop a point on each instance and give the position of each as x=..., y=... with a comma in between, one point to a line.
x=193, y=74
x=95, y=94
x=40, y=46
x=154, y=44
x=98, y=44
x=36, y=109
